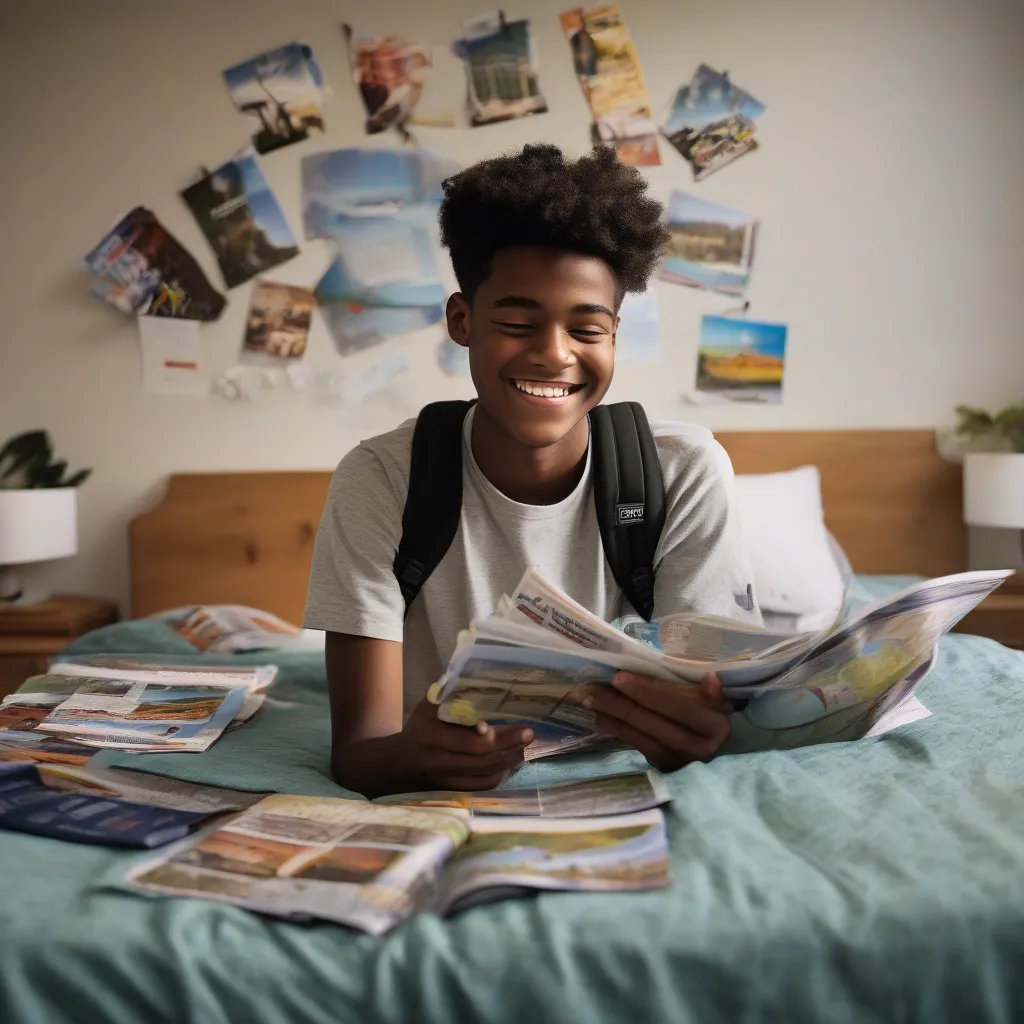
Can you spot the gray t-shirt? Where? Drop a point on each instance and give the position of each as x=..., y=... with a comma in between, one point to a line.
x=701, y=562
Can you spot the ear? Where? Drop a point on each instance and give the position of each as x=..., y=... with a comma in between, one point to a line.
x=457, y=313
x=615, y=330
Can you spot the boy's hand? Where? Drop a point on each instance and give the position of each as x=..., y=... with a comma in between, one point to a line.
x=670, y=724
x=461, y=757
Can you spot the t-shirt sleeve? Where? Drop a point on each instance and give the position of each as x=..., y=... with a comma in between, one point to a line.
x=352, y=588
x=702, y=564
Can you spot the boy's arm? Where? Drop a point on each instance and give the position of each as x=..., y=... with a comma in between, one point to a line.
x=371, y=753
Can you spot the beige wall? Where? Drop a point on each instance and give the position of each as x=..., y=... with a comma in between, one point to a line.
x=888, y=183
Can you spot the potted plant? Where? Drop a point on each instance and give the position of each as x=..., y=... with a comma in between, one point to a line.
x=994, y=479
x=38, y=507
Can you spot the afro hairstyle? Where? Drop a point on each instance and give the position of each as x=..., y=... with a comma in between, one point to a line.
x=595, y=206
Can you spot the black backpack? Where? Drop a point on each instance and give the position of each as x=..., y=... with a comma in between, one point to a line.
x=629, y=494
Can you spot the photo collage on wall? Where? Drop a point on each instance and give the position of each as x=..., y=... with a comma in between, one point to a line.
x=377, y=208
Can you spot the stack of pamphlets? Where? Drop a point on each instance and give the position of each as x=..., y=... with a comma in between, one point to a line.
x=129, y=706
x=527, y=663
x=371, y=865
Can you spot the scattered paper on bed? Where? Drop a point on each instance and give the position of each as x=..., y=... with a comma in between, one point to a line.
x=172, y=361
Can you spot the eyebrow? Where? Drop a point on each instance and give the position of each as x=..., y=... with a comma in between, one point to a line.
x=524, y=302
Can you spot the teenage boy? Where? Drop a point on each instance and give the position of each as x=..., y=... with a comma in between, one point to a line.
x=543, y=250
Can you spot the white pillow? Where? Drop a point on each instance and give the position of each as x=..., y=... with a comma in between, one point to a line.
x=796, y=571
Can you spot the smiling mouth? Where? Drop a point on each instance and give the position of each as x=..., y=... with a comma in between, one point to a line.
x=545, y=389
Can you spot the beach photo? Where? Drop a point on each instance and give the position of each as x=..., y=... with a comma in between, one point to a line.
x=711, y=246
x=741, y=360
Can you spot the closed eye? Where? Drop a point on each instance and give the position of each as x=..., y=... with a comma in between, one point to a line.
x=508, y=325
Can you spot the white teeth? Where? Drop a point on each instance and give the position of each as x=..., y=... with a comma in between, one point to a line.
x=541, y=390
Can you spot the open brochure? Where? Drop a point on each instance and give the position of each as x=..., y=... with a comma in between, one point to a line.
x=371, y=866
x=527, y=663
x=587, y=798
x=255, y=678
x=100, y=711
x=146, y=788
x=228, y=628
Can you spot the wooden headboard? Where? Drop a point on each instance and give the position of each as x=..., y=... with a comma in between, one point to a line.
x=247, y=538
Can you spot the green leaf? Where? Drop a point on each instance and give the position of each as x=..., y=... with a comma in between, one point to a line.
x=77, y=479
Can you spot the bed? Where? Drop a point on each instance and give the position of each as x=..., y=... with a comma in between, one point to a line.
x=874, y=880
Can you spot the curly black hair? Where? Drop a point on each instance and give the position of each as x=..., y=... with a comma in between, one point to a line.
x=594, y=205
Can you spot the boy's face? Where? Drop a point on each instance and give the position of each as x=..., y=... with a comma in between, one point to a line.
x=541, y=339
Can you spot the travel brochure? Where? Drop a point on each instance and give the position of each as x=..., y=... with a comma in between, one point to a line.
x=534, y=660
x=370, y=866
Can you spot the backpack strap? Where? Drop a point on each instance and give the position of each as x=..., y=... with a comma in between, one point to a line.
x=433, y=505
x=629, y=494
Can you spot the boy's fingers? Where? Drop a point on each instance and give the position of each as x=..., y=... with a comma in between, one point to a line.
x=698, y=735
x=665, y=697
x=511, y=737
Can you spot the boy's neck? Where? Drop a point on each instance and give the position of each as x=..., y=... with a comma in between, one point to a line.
x=532, y=476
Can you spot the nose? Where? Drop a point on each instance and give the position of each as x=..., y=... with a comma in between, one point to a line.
x=551, y=348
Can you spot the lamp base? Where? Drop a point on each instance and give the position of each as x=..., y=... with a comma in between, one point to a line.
x=11, y=590
x=15, y=592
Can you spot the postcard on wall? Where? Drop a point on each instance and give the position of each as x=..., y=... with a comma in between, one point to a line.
x=741, y=360
x=277, y=328
x=390, y=75
x=712, y=121
x=172, y=357
x=500, y=60
x=636, y=339
x=141, y=269
x=343, y=184
x=340, y=286
x=612, y=80
x=241, y=219
x=711, y=246
x=354, y=327
x=283, y=89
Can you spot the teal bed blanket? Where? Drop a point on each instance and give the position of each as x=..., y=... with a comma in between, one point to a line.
x=876, y=880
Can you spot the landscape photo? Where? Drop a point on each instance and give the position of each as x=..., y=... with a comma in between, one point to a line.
x=741, y=360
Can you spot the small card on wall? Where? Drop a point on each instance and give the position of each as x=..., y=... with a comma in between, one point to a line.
x=172, y=357
x=740, y=360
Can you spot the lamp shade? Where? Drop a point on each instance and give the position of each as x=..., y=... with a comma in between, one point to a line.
x=38, y=524
x=994, y=489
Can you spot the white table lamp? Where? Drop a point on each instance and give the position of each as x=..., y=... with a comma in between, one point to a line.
x=36, y=525
x=994, y=490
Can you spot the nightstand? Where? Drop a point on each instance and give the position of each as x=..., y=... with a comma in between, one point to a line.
x=32, y=634
x=1000, y=616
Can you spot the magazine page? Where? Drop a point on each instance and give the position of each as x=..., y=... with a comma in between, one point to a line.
x=796, y=718
x=137, y=715
x=589, y=798
x=145, y=788
x=27, y=805
x=625, y=852
x=18, y=744
x=886, y=640
x=253, y=677
x=349, y=861
x=226, y=629
x=742, y=660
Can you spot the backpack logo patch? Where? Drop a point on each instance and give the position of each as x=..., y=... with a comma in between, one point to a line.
x=627, y=515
